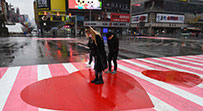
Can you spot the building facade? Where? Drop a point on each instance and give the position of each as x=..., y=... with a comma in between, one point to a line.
x=156, y=17
x=104, y=15
x=49, y=13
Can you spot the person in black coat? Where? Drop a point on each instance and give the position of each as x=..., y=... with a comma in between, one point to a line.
x=113, y=44
x=90, y=45
x=100, y=56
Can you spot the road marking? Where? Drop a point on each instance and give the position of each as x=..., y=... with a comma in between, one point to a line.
x=6, y=84
x=193, y=98
x=162, y=59
x=186, y=61
x=138, y=67
x=70, y=67
x=159, y=105
x=43, y=73
x=170, y=67
x=26, y=76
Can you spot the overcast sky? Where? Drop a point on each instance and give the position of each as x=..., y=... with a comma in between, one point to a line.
x=25, y=6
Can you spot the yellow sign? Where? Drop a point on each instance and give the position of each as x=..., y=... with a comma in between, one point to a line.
x=58, y=5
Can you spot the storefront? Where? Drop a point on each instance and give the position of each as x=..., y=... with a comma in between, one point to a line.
x=121, y=28
x=157, y=24
x=114, y=22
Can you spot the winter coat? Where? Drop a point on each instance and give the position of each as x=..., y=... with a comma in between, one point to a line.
x=113, y=45
x=90, y=44
x=100, y=55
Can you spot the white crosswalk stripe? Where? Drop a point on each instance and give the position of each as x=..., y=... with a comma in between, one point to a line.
x=70, y=68
x=173, y=68
x=43, y=73
x=178, y=64
x=200, y=85
x=160, y=105
x=160, y=101
x=150, y=68
x=185, y=61
x=6, y=84
x=190, y=59
x=196, y=99
x=198, y=57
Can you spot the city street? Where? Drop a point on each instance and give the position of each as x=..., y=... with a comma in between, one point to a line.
x=101, y=55
x=32, y=51
x=154, y=74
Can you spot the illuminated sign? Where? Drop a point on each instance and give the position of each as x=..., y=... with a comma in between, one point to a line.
x=106, y=24
x=170, y=18
x=45, y=4
x=118, y=17
x=85, y=4
x=58, y=5
x=140, y=18
x=116, y=6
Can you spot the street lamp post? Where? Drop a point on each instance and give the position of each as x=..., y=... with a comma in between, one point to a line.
x=76, y=24
x=76, y=31
x=90, y=15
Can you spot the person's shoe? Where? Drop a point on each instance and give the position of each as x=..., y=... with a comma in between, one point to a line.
x=95, y=80
x=114, y=72
x=88, y=65
x=108, y=72
x=99, y=82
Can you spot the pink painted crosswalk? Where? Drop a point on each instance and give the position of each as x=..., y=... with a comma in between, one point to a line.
x=172, y=92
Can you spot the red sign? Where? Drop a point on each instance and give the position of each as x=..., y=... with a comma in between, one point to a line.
x=118, y=17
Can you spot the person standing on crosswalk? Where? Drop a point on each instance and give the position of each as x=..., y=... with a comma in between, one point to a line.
x=100, y=56
x=113, y=44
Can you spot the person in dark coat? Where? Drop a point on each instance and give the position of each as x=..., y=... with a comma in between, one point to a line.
x=90, y=45
x=113, y=44
x=100, y=56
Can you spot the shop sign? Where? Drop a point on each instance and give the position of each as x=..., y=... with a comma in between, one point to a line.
x=116, y=5
x=43, y=4
x=118, y=17
x=106, y=24
x=170, y=18
x=140, y=18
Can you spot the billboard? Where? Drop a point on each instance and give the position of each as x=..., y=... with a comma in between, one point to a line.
x=122, y=6
x=43, y=4
x=58, y=5
x=85, y=4
x=119, y=17
x=170, y=18
x=140, y=18
x=106, y=24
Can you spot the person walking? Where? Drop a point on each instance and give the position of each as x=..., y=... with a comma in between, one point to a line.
x=90, y=45
x=100, y=56
x=113, y=44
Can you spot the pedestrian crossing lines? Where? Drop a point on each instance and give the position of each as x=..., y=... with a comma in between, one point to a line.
x=172, y=44
x=164, y=96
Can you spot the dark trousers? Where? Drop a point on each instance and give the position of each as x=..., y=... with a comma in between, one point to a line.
x=113, y=56
x=91, y=58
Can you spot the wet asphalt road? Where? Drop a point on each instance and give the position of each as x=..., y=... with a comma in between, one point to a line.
x=20, y=51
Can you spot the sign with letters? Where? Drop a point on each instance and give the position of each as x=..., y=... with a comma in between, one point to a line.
x=106, y=24
x=140, y=18
x=170, y=18
x=43, y=4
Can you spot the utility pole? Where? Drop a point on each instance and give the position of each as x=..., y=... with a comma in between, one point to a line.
x=90, y=16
